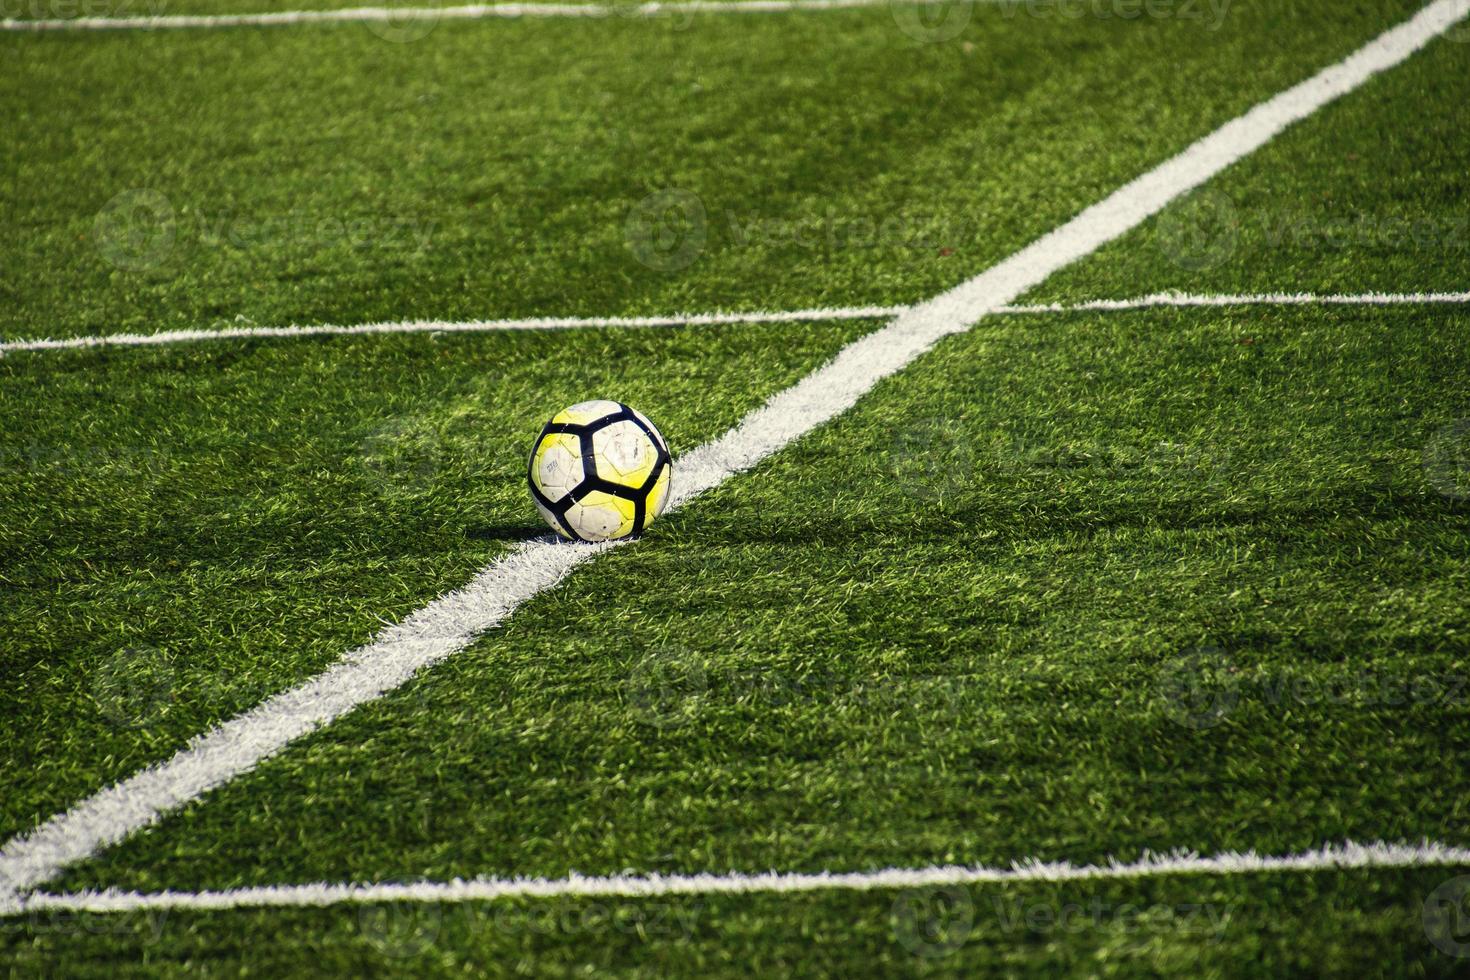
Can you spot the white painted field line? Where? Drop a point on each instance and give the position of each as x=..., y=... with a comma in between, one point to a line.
x=512, y=11
x=713, y=319
x=452, y=622
x=1345, y=856
x=1243, y=299
x=441, y=326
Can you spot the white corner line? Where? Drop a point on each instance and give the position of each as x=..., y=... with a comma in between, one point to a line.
x=453, y=621
x=1331, y=857
x=491, y=11
x=1242, y=299
x=1174, y=299
x=447, y=327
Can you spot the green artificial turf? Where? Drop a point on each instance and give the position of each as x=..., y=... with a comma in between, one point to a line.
x=959, y=624
x=503, y=169
x=1380, y=203
x=1193, y=926
x=828, y=666
x=234, y=516
x=404, y=29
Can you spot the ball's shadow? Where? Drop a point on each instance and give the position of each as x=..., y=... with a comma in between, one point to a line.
x=506, y=532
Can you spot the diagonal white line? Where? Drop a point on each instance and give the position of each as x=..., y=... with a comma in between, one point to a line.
x=443, y=326
x=1331, y=857
x=477, y=11
x=1243, y=299
x=452, y=622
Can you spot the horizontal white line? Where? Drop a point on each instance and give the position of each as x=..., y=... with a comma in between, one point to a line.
x=1244, y=299
x=714, y=319
x=467, y=12
x=440, y=326
x=1330, y=857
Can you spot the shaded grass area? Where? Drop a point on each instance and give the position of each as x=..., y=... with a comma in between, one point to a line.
x=537, y=168
x=184, y=531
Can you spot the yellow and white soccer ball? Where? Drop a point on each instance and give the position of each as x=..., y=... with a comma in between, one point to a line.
x=600, y=471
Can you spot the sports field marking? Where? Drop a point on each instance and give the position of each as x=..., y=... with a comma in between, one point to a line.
x=1345, y=856
x=451, y=622
x=477, y=11
x=1244, y=299
x=708, y=319
x=440, y=326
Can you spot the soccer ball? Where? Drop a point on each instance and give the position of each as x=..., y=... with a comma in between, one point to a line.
x=600, y=471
